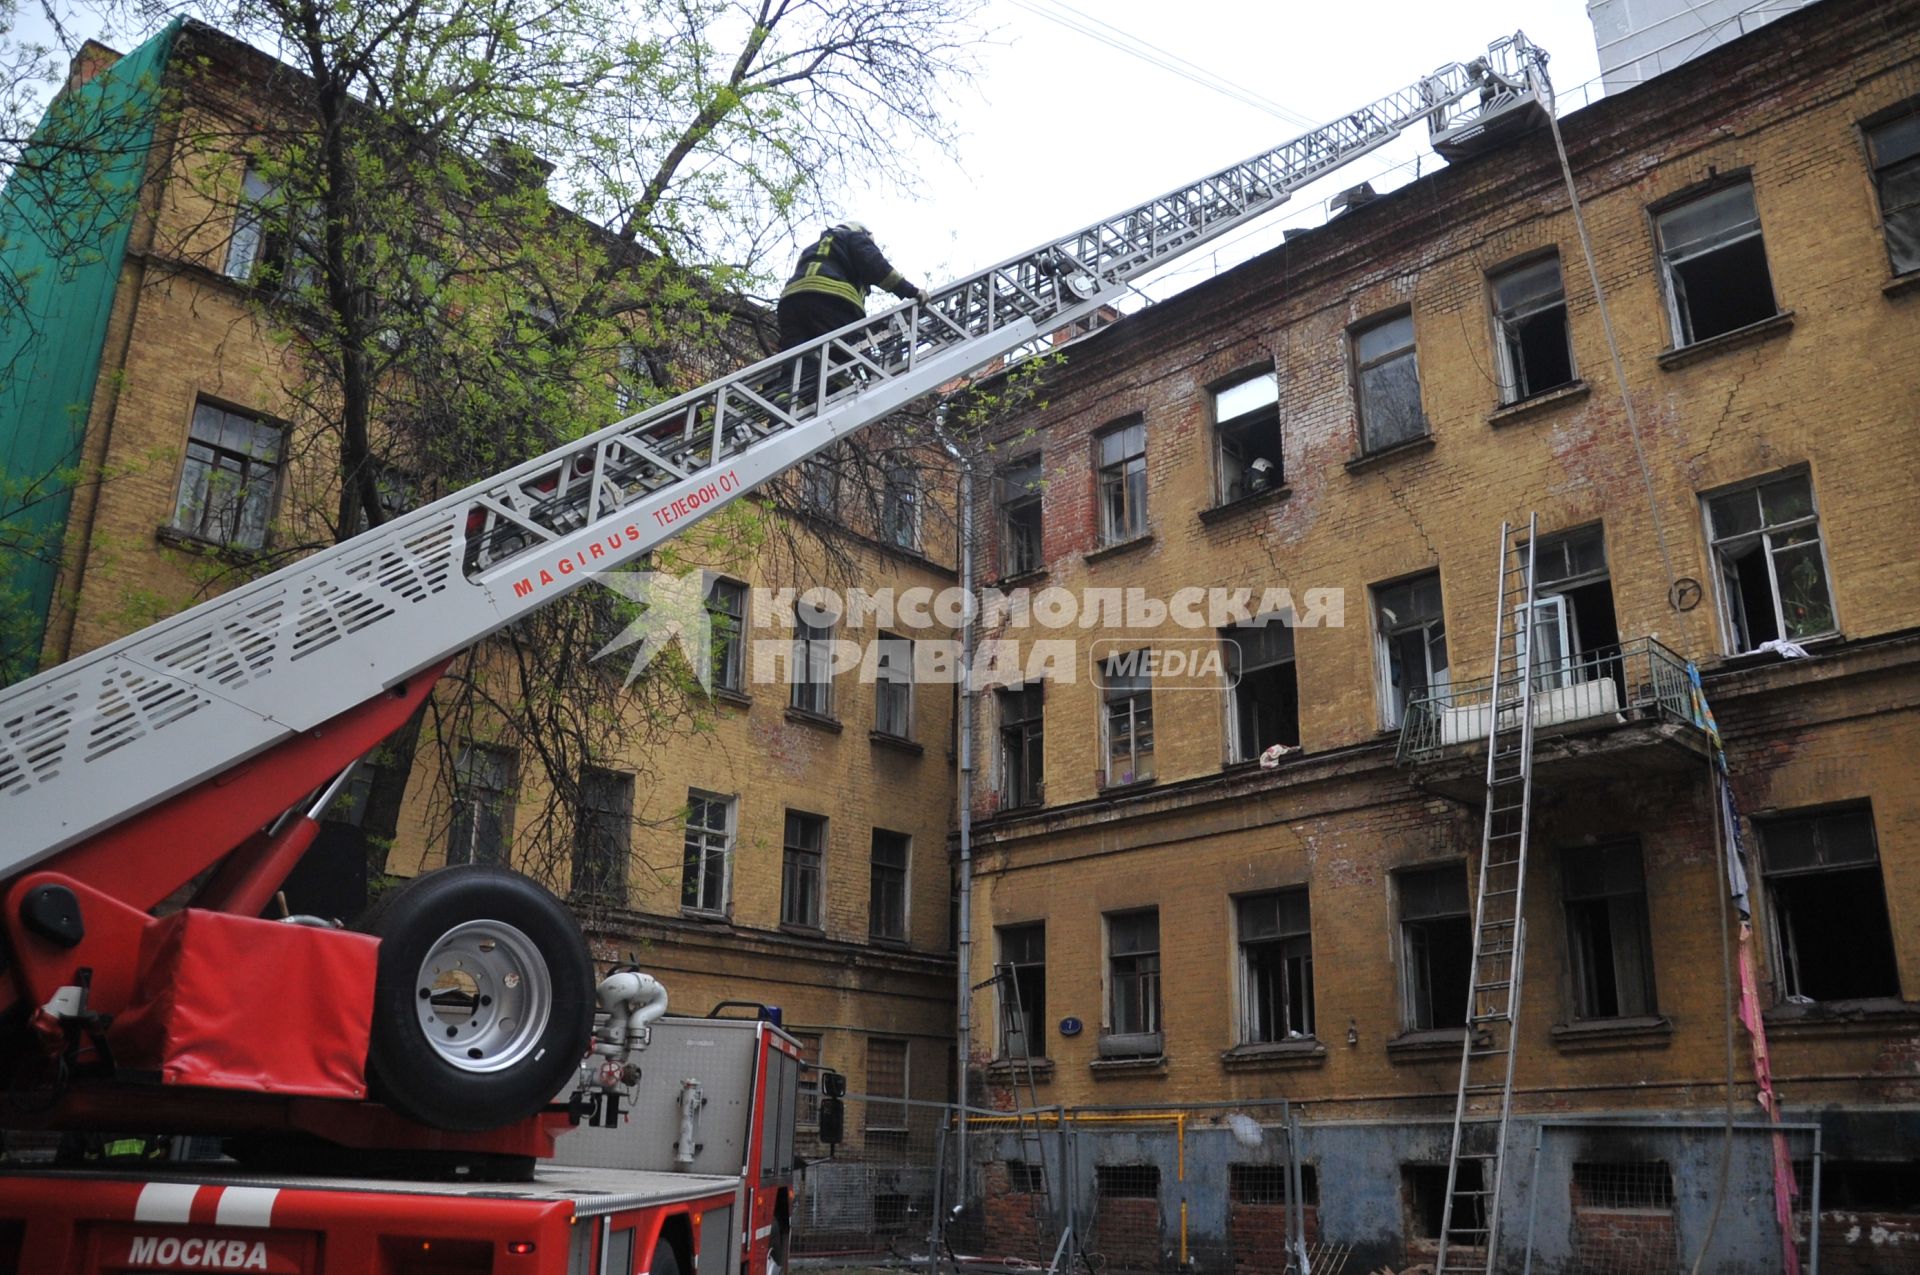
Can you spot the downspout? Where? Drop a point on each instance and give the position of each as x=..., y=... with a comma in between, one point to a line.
x=963, y=940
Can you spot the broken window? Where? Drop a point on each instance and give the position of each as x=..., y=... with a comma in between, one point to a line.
x=482, y=805
x=800, y=870
x=812, y=663
x=1827, y=907
x=1425, y=1190
x=1019, y=499
x=1605, y=891
x=1770, y=562
x=727, y=643
x=229, y=479
x=1574, y=621
x=1265, y=691
x=1276, y=967
x=709, y=852
x=602, y=837
x=1023, y=990
x=893, y=686
x=1123, y=483
x=1133, y=974
x=1246, y=423
x=1530, y=318
x=1436, y=946
x=1895, y=147
x=1410, y=637
x=1715, y=264
x=887, y=897
x=1126, y=693
x=1022, y=745
x=1389, y=382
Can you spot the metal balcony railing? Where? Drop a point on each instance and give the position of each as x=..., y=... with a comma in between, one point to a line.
x=1639, y=678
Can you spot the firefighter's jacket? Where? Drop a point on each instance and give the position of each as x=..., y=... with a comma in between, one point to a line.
x=845, y=264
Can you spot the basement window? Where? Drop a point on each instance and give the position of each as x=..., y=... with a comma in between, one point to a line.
x=1246, y=422
x=1436, y=946
x=1632, y=1184
x=1771, y=565
x=1715, y=264
x=1266, y=691
x=1267, y=1184
x=1530, y=318
x=1895, y=148
x=1827, y=907
x=1026, y=1179
x=1877, y=1186
x=1424, y=1188
x=1126, y=1181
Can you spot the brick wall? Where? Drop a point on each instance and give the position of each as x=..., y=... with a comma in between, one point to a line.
x=1624, y=1239
x=1127, y=1233
x=1882, y=1243
x=1258, y=1235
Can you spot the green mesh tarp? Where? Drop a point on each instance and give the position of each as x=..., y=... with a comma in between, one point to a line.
x=64, y=220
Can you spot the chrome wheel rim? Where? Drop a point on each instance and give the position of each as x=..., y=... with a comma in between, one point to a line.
x=484, y=996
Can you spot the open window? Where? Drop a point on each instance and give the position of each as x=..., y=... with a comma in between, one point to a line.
x=1827, y=904
x=1023, y=990
x=1276, y=966
x=1715, y=264
x=1265, y=691
x=1895, y=150
x=1018, y=496
x=1022, y=744
x=1410, y=644
x=1608, y=944
x=1771, y=565
x=1436, y=946
x=1530, y=320
x=1246, y=423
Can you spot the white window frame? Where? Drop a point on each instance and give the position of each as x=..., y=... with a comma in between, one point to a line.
x=727, y=833
x=893, y=676
x=1362, y=366
x=811, y=667
x=1729, y=630
x=1245, y=971
x=1119, y=475
x=1438, y=679
x=1133, y=694
x=1250, y=395
x=1506, y=322
x=1680, y=324
x=727, y=656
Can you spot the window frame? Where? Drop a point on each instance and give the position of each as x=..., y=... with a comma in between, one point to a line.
x=1147, y=978
x=726, y=649
x=1020, y=553
x=1118, y=476
x=1680, y=326
x=1783, y=951
x=1765, y=531
x=1583, y=992
x=1234, y=658
x=1036, y=1025
x=1021, y=785
x=727, y=836
x=1412, y=983
x=1284, y=940
x=803, y=872
x=1392, y=712
x=1227, y=471
x=1508, y=320
x=503, y=814
x=1360, y=368
x=893, y=686
x=1138, y=721
x=194, y=526
x=811, y=667
x=1906, y=165
x=900, y=508
x=897, y=877
x=613, y=890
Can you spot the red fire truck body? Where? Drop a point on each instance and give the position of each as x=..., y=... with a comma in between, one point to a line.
x=627, y=1200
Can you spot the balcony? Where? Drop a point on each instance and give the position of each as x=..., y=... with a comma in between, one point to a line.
x=1606, y=714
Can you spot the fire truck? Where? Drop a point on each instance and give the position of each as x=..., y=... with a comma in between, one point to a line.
x=394, y=1097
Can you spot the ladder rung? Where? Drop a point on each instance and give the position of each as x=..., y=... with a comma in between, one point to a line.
x=1500, y=1017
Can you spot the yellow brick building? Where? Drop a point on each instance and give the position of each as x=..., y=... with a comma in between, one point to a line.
x=1350, y=418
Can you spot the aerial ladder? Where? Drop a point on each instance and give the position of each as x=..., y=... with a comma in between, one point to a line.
x=202, y=751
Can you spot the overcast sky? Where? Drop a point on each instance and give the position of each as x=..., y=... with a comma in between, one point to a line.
x=1062, y=129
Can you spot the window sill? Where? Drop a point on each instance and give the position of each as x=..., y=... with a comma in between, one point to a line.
x=727, y=695
x=1901, y=284
x=1863, y=1017
x=819, y=721
x=1276, y=1055
x=1024, y=577
x=1120, y=548
x=1387, y=455
x=187, y=542
x=1102, y=1068
x=1113, y=788
x=898, y=743
x=1226, y=512
x=1685, y=355
x=802, y=931
x=1613, y=1033
x=706, y=916
x=1426, y=1044
x=1009, y=1069
x=888, y=944
x=1539, y=404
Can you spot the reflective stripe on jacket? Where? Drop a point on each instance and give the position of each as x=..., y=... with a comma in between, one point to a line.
x=845, y=264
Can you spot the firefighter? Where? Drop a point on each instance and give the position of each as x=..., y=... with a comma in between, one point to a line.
x=829, y=286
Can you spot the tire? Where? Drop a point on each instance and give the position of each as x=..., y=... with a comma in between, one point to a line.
x=666, y=1260
x=484, y=1002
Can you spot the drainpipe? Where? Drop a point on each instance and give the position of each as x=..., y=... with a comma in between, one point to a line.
x=963, y=941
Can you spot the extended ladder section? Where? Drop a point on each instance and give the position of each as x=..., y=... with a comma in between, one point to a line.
x=86, y=745
x=1015, y=1036
x=1470, y=1221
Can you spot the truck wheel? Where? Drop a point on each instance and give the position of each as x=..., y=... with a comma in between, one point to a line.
x=484, y=1003
x=665, y=1260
